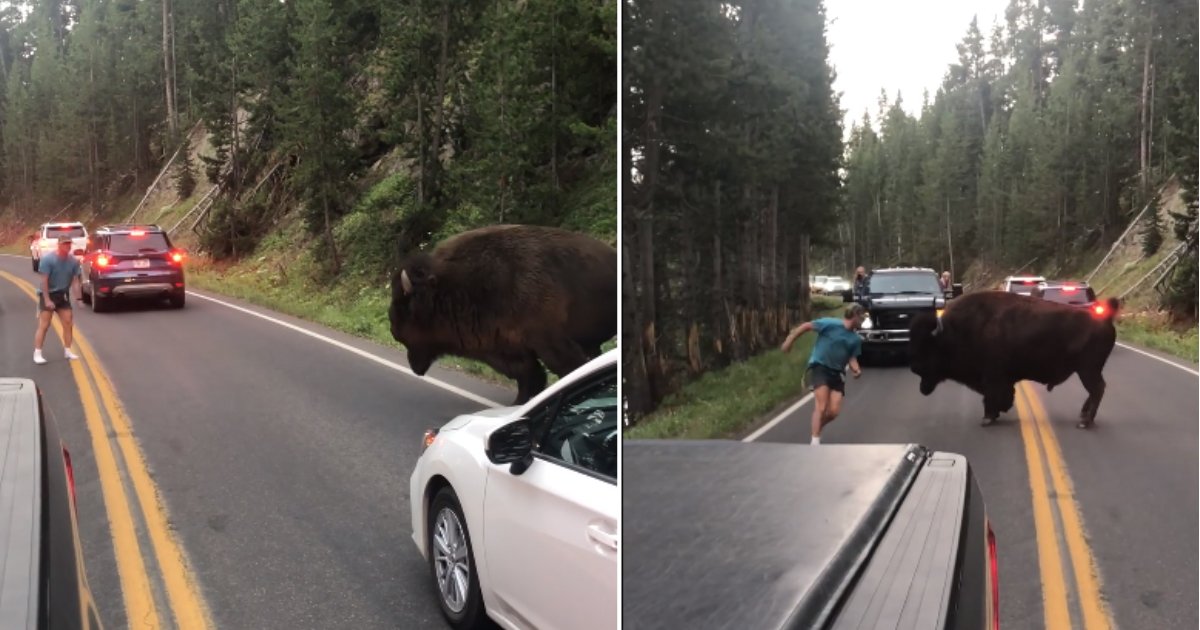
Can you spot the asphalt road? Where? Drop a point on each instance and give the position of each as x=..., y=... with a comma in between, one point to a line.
x=1134, y=477
x=280, y=461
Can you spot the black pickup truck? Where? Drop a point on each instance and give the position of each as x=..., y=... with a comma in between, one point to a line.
x=763, y=536
x=44, y=584
x=893, y=297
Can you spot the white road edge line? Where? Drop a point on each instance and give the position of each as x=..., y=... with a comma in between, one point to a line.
x=362, y=353
x=777, y=419
x=1158, y=358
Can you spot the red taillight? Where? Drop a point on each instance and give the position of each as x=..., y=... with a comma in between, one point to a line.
x=138, y=233
x=70, y=473
x=994, y=574
x=176, y=257
x=102, y=260
x=1099, y=309
x=1068, y=289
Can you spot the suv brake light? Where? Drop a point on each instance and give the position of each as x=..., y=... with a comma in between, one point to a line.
x=102, y=260
x=1099, y=309
x=137, y=233
x=994, y=577
x=176, y=257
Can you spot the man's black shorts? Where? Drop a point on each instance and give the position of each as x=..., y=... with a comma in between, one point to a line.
x=819, y=375
x=60, y=299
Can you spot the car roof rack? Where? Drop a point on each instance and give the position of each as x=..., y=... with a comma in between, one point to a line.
x=132, y=226
x=903, y=268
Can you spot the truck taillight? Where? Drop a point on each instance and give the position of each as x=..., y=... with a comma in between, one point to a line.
x=70, y=472
x=993, y=578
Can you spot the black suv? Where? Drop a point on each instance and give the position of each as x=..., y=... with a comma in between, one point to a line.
x=132, y=261
x=893, y=298
x=45, y=585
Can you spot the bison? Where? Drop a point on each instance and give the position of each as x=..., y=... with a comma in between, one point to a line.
x=991, y=340
x=509, y=296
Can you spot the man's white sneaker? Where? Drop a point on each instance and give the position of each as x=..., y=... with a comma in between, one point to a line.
x=70, y=356
x=38, y=358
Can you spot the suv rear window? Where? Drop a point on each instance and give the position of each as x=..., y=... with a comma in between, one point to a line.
x=904, y=283
x=130, y=244
x=73, y=232
x=1076, y=297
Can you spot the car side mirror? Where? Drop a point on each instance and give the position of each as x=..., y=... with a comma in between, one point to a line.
x=847, y=296
x=957, y=289
x=512, y=444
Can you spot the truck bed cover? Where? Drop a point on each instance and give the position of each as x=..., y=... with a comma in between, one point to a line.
x=20, y=502
x=708, y=544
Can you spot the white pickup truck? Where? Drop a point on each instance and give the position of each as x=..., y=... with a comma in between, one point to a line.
x=46, y=240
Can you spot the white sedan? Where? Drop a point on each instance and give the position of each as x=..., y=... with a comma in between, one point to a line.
x=515, y=509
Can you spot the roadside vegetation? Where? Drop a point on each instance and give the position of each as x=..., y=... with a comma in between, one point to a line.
x=726, y=403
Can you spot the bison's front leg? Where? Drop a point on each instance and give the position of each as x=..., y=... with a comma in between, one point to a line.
x=525, y=370
x=561, y=354
x=996, y=399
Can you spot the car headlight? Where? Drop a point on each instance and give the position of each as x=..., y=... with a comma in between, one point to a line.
x=430, y=437
x=866, y=325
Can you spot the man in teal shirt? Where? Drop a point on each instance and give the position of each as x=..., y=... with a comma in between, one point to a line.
x=836, y=347
x=60, y=273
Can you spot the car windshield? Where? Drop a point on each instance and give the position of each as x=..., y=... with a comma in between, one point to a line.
x=1073, y=296
x=138, y=244
x=73, y=232
x=904, y=283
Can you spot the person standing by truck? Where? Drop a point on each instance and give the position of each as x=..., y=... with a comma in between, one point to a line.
x=837, y=346
x=60, y=273
x=860, y=283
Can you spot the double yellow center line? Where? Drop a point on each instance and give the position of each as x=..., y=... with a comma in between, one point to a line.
x=1053, y=494
x=121, y=469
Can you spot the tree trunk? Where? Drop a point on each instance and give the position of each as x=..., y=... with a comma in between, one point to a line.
x=169, y=68
x=1143, y=136
x=337, y=259
x=439, y=117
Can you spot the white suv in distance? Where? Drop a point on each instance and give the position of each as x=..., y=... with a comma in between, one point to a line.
x=515, y=509
x=46, y=240
x=1025, y=285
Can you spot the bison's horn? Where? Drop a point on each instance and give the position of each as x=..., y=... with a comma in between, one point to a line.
x=939, y=327
x=405, y=282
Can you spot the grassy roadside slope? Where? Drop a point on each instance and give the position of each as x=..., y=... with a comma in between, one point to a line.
x=727, y=403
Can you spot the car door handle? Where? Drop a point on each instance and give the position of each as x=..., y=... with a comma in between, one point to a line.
x=599, y=536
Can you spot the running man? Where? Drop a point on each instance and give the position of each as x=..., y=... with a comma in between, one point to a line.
x=60, y=279
x=837, y=346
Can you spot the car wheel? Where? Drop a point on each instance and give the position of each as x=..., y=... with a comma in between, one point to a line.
x=178, y=299
x=452, y=563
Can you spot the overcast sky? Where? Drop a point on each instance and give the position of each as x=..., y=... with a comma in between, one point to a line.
x=895, y=45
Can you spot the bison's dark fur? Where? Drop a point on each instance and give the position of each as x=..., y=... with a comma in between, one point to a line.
x=989, y=341
x=508, y=295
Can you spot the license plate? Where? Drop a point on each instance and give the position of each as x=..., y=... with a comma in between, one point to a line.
x=141, y=263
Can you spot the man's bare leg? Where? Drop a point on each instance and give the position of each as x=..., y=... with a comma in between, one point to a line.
x=67, y=317
x=39, y=337
x=834, y=407
x=820, y=404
